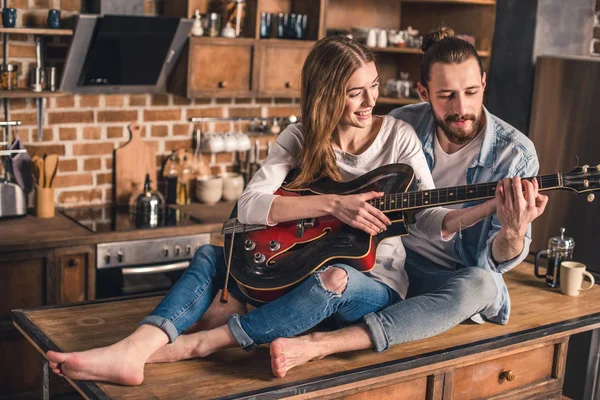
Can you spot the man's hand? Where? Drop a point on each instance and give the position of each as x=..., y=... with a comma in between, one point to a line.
x=518, y=204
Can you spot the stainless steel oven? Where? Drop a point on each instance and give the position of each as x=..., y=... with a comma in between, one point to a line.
x=143, y=266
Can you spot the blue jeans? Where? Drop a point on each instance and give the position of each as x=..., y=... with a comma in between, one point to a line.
x=438, y=299
x=296, y=312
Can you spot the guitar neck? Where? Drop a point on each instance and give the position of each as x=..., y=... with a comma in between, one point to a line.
x=452, y=195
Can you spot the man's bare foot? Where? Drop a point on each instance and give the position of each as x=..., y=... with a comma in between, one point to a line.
x=289, y=353
x=115, y=363
x=185, y=347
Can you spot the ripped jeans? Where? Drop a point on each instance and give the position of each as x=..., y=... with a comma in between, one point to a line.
x=296, y=312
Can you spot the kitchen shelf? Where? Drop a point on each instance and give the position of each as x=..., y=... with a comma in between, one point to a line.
x=413, y=50
x=28, y=94
x=401, y=101
x=481, y=2
x=38, y=31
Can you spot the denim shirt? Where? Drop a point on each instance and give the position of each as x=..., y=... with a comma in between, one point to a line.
x=505, y=152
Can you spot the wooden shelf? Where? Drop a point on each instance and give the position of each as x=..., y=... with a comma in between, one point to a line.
x=413, y=50
x=38, y=31
x=401, y=101
x=481, y=2
x=28, y=94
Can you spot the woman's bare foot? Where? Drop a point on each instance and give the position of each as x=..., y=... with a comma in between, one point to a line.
x=195, y=345
x=185, y=347
x=122, y=362
x=289, y=353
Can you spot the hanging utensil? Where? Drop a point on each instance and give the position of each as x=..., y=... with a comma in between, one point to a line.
x=40, y=118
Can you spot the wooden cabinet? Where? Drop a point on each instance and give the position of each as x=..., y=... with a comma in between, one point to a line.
x=214, y=67
x=75, y=274
x=279, y=67
x=33, y=279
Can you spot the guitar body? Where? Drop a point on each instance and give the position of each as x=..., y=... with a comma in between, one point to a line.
x=268, y=263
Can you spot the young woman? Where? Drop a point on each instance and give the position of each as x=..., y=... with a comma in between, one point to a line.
x=340, y=139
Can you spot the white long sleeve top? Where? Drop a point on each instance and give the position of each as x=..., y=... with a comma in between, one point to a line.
x=396, y=142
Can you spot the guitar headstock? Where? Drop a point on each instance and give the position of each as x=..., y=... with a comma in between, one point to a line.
x=582, y=179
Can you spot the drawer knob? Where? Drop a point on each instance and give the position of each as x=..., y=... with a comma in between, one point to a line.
x=288, y=85
x=508, y=375
x=73, y=262
x=222, y=84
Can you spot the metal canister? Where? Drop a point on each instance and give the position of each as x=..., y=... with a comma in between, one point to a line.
x=560, y=248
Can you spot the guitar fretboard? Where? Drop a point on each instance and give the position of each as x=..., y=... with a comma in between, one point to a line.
x=452, y=195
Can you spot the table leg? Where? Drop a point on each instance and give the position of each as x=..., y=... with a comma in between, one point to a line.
x=44, y=378
x=591, y=389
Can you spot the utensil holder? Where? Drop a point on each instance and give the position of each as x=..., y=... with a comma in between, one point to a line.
x=45, y=202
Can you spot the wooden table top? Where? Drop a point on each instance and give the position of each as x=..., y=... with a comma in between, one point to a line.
x=537, y=312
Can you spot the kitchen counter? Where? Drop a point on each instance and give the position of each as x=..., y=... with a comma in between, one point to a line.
x=32, y=233
x=523, y=359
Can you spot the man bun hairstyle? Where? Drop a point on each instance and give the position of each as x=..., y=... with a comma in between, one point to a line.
x=441, y=46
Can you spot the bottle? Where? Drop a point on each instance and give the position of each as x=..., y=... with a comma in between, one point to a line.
x=197, y=29
x=170, y=173
x=183, y=182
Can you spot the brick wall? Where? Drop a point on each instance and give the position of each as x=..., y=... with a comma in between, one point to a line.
x=84, y=129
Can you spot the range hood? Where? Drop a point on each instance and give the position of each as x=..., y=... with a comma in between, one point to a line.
x=123, y=53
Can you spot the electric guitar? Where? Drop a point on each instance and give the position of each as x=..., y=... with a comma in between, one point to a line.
x=268, y=261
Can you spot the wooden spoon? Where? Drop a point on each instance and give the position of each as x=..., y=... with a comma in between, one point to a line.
x=38, y=169
x=50, y=167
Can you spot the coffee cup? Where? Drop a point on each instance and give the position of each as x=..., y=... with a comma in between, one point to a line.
x=209, y=189
x=571, y=278
x=233, y=186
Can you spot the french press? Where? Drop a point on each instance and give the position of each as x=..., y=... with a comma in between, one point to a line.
x=560, y=248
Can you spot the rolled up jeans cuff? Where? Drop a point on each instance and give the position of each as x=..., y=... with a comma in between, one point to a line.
x=238, y=333
x=377, y=332
x=162, y=323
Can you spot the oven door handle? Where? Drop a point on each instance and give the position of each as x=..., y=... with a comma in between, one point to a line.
x=156, y=269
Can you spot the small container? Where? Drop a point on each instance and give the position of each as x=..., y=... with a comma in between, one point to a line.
x=197, y=28
x=54, y=19
x=45, y=202
x=235, y=12
x=8, y=75
x=9, y=17
x=212, y=24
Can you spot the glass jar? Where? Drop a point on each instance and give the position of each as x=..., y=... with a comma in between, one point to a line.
x=235, y=14
x=8, y=76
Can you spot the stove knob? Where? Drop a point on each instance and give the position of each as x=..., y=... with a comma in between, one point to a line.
x=107, y=259
x=119, y=256
x=177, y=251
x=166, y=252
x=188, y=249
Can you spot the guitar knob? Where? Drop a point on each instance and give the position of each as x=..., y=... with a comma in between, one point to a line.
x=591, y=197
x=274, y=246
x=259, y=258
x=249, y=245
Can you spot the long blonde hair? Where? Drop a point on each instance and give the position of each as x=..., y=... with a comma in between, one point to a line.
x=325, y=74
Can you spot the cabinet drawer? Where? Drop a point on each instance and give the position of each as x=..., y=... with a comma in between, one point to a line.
x=280, y=68
x=503, y=374
x=220, y=68
x=377, y=388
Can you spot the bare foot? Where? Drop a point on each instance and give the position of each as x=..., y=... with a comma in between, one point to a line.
x=289, y=353
x=186, y=346
x=115, y=363
x=122, y=362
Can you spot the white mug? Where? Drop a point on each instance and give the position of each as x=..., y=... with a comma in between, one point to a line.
x=571, y=278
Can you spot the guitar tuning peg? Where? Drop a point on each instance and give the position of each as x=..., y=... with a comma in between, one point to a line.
x=591, y=197
x=598, y=167
x=584, y=169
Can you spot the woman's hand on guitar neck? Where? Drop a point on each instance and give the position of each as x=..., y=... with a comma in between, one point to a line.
x=354, y=210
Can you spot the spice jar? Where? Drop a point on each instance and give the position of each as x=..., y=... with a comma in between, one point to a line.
x=8, y=76
x=235, y=13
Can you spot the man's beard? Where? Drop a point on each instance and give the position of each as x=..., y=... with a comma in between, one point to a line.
x=459, y=135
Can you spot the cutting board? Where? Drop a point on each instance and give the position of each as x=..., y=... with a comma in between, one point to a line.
x=133, y=161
